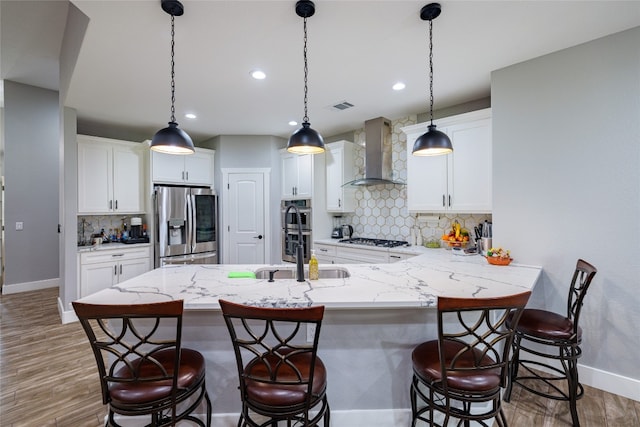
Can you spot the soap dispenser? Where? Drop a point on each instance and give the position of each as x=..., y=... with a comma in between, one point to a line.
x=313, y=266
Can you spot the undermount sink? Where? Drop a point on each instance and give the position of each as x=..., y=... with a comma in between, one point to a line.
x=290, y=273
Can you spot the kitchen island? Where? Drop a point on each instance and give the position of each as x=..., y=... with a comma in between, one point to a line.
x=373, y=319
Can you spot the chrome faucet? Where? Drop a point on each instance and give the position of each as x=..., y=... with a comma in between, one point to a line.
x=300, y=248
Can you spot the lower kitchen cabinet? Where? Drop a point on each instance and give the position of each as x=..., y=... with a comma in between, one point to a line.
x=334, y=254
x=105, y=268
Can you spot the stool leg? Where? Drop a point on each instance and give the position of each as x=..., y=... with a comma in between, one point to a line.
x=513, y=367
x=572, y=378
x=413, y=397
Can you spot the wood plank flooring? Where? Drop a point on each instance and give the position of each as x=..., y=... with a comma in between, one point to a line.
x=48, y=377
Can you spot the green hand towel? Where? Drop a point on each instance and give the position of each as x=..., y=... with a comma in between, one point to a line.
x=242, y=275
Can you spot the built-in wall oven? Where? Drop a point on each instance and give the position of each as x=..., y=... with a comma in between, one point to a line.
x=289, y=221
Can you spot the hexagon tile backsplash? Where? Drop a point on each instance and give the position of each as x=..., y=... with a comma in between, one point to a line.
x=381, y=210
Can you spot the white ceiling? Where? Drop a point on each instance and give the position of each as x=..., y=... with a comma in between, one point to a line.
x=356, y=51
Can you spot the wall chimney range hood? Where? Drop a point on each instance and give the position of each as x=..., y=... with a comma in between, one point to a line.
x=377, y=160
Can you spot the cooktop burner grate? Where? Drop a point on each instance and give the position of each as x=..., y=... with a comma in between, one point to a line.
x=375, y=242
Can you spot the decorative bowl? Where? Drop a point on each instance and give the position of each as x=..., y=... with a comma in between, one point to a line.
x=494, y=260
x=448, y=244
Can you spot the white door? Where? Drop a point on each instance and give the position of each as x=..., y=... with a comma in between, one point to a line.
x=247, y=223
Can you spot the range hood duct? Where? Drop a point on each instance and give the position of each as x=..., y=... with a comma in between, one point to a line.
x=378, y=167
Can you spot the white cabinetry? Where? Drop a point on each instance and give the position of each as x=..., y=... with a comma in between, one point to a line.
x=340, y=166
x=340, y=254
x=458, y=182
x=297, y=175
x=110, y=176
x=192, y=169
x=104, y=268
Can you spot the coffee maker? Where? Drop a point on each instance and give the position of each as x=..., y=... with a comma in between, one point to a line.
x=336, y=233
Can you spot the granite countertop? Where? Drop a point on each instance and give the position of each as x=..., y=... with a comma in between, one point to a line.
x=415, y=282
x=111, y=245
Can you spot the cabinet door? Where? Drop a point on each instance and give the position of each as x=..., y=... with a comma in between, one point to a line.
x=339, y=169
x=289, y=174
x=199, y=168
x=132, y=267
x=94, y=178
x=97, y=276
x=304, y=187
x=128, y=173
x=167, y=168
x=426, y=181
x=470, y=174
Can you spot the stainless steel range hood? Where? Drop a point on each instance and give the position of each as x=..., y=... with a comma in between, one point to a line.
x=378, y=149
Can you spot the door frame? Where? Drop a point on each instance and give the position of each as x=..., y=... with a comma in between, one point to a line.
x=224, y=227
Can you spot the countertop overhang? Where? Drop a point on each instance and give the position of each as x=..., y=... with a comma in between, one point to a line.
x=415, y=282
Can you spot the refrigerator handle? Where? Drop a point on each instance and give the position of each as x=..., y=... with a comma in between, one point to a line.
x=191, y=216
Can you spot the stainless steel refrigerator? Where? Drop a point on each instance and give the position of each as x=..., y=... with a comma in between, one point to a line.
x=186, y=221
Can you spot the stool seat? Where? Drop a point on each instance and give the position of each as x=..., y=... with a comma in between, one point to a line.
x=547, y=325
x=286, y=391
x=426, y=364
x=192, y=370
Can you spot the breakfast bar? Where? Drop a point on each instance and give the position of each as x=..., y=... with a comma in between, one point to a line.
x=373, y=319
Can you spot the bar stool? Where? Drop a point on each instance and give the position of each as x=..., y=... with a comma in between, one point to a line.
x=467, y=364
x=281, y=377
x=554, y=337
x=142, y=366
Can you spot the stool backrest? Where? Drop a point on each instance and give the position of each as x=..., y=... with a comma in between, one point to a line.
x=271, y=343
x=126, y=339
x=477, y=332
x=582, y=277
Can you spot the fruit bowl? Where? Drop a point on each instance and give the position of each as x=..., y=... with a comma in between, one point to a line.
x=495, y=260
x=448, y=244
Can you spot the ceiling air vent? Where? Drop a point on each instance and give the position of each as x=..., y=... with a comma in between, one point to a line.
x=341, y=106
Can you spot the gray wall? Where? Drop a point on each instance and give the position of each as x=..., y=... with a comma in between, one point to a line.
x=247, y=151
x=566, y=156
x=31, y=159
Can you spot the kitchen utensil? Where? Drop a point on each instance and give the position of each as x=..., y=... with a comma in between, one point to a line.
x=485, y=244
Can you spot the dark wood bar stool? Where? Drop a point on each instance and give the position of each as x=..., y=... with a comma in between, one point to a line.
x=281, y=376
x=459, y=376
x=556, y=337
x=142, y=367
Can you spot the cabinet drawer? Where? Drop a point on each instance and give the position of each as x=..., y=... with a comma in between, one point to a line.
x=324, y=250
x=363, y=255
x=399, y=256
x=113, y=255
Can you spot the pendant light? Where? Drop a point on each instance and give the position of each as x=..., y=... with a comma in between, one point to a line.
x=434, y=142
x=172, y=139
x=305, y=140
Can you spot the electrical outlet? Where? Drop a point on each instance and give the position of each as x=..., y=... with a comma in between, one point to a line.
x=19, y=226
x=311, y=332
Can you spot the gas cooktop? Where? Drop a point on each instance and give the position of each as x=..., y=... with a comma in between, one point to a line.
x=375, y=242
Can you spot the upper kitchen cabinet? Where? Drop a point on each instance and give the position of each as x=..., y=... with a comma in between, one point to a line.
x=340, y=169
x=297, y=175
x=190, y=169
x=110, y=176
x=458, y=182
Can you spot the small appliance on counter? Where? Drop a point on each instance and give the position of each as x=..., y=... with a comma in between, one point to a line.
x=347, y=231
x=336, y=233
x=338, y=228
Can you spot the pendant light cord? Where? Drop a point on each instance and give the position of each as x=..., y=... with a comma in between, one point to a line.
x=431, y=69
x=305, y=119
x=173, y=74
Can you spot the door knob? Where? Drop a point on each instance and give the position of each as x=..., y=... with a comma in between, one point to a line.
x=258, y=237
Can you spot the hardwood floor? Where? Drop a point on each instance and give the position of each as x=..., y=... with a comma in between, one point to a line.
x=48, y=377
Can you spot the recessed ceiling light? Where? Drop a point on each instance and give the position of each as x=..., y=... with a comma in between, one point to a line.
x=258, y=74
x=293, y=123
x=399, y=86
x=190, y=116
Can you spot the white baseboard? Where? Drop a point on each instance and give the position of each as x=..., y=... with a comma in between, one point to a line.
x=66, y=316
x=30, y=286
x=609, y=382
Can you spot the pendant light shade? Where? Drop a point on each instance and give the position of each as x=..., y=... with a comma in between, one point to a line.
x=434, y=142
x=172, y=139
x=305, y=140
